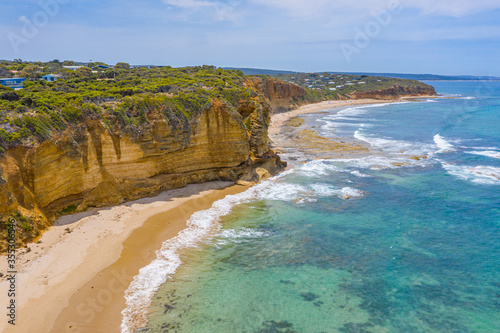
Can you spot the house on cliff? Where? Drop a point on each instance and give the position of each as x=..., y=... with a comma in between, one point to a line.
x=15, y=83
x=49, y=78
x=73, y=68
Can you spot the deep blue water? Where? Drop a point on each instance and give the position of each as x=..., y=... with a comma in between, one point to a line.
x=403, y=239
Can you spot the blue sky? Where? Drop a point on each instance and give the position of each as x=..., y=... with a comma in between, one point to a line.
x=409, y=36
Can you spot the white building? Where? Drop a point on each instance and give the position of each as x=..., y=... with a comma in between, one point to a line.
x=73, y=68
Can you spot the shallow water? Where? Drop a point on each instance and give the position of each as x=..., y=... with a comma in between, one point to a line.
x=403, y=239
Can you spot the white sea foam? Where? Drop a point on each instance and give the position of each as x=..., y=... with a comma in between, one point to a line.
x=321, y=168
x=324, y=190
x=349, y=117
x=243, y=233
x=369, y=162
x=335, y=124
x=239, y=235
x=443, y=145
x=286, y=192
x=317, y=168
x=201, y=224
x=380, y=162
x=359, y=174
x=385, y=144
x=488, y=153
x=349, y=192
x=479, y=174
x=349, y=112
x=397, y=147
x=482, y=148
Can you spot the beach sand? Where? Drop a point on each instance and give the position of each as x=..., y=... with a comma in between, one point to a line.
x=77, y=274
x=277, y=120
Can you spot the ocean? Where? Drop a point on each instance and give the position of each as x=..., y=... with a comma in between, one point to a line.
x=404, y=237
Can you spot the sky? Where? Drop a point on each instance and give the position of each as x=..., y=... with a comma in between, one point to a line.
x=450, y=37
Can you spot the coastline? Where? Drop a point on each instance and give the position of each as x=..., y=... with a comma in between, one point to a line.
x=278, y=119
x=278, y=138
x=79, y=271
x=80, y=248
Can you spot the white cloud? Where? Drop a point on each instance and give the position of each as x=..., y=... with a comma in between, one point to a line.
x=189, y=3
x=221, y=11
x=483, y=32
x=454, y=8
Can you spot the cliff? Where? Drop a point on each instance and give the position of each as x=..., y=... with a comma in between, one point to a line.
x=395, y=92
x=61, y=155
x=281, y=96
x=88, y=166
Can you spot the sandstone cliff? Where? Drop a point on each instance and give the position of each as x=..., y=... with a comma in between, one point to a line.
x=89, y=166
x=395, y=92
x=280, y=95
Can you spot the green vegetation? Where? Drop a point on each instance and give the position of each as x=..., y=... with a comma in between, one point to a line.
x=334, y=86
x=128, y=99
x=125, y=99
x=25, y=226
x=68, y=210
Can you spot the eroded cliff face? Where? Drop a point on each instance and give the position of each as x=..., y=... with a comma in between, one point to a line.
x=281, y=96
x=90, y=166
x=396, y=91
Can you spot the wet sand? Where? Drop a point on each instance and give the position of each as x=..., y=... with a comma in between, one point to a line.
x=74, y=280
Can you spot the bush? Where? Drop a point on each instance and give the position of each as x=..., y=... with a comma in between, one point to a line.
x=71, y=114
x=9, y=96
x=25, y=226
x=40, y=125
x=5, y=88
x=69, y=209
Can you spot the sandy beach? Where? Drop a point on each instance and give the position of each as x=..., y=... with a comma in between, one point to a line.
x=92, y=257
x=283, y=137
x=277, y=136
x=277, y=120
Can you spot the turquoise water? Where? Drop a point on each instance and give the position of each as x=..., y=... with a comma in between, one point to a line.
x=403, y=239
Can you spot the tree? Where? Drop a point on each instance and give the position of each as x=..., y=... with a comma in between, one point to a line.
x=4, y=72
x=84, y=72
x=109, y=73
x=69, y=63
x=122, y=65
x=66, y=73
x=52, y=67
x=96, y=63
x=31, y=72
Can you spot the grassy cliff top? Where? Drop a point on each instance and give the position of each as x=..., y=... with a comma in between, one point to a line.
x=128, y=99
x=334, y=86
x=120, y=96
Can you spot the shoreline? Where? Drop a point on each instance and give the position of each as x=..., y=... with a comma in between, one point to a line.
x=79, y=248
x=278, y=120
